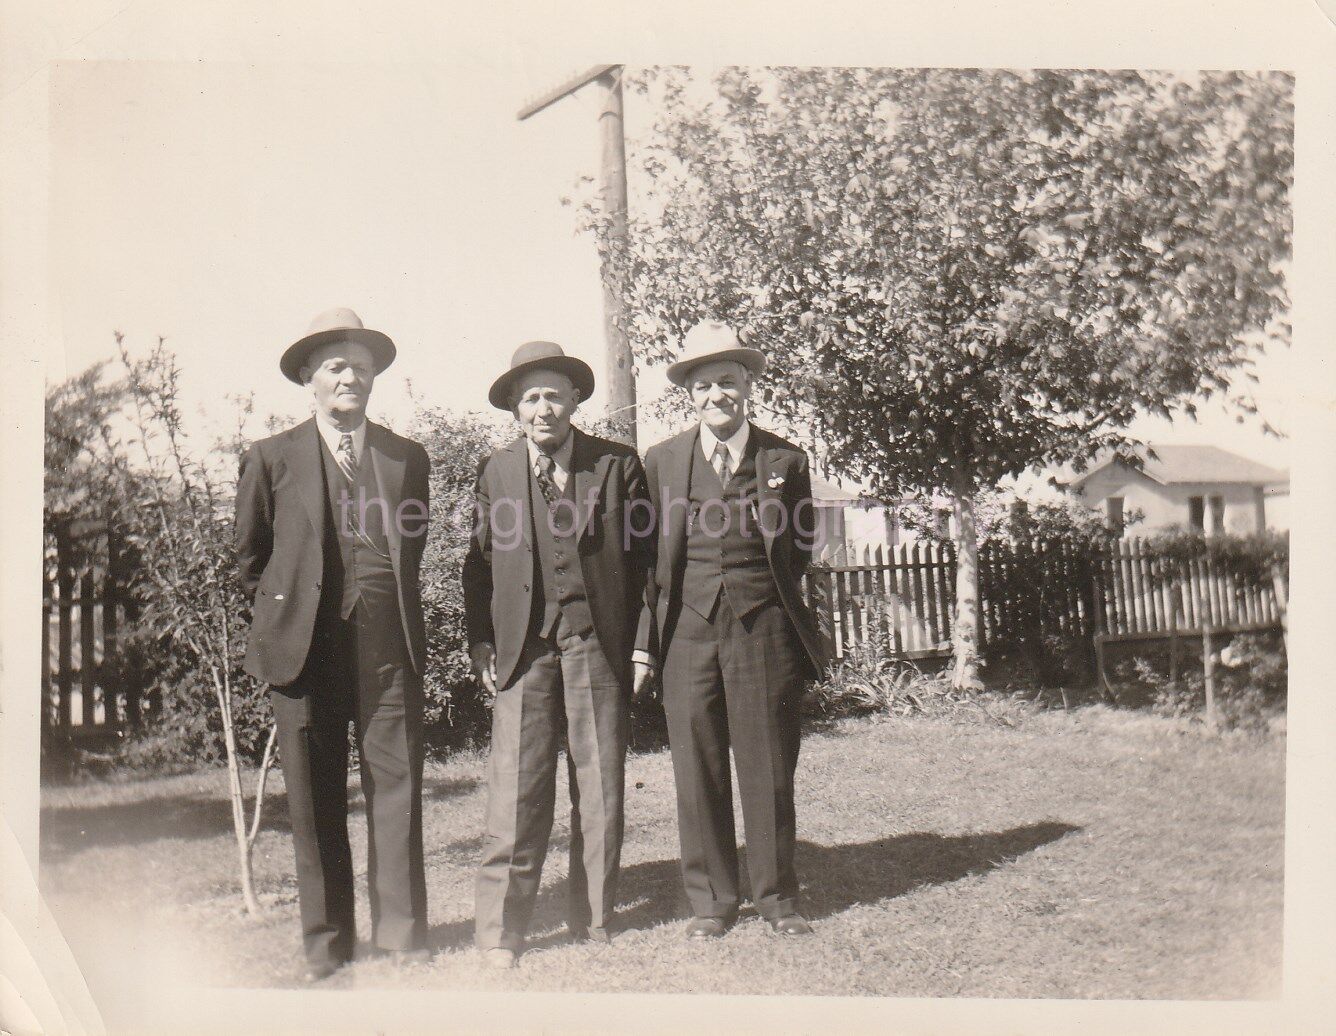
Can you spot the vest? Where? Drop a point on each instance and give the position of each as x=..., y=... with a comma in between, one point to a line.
x=361, y=568
x=559, y=586
x=725, y=549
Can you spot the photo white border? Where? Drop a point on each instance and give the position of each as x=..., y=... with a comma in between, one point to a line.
x=41, y=978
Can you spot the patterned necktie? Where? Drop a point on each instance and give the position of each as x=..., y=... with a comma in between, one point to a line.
x=543, y=472
x=347, y=457
x=722, y=467
x=347, y=460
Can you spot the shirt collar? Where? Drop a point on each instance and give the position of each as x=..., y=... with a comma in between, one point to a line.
x=332, y=435
x=562, y=456
x=736, y=443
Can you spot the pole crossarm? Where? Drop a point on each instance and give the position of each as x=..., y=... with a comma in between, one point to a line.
x=568, y=87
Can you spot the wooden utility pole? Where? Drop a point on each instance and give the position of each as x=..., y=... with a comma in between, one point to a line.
x=618, y=372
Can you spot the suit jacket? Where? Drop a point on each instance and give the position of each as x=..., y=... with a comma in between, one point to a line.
x=281, y=540
x=782, y=476
x=499, y=570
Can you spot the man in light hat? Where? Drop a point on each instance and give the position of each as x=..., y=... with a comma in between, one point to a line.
x=553, y=585
x=725, y=614
x=331, y=519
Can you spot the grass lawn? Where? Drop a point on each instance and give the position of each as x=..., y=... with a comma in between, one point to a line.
x=1094, y=854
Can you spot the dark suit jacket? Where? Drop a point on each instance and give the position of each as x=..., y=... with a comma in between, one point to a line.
x=499, y=569
x=783, y=476
x=280, y=531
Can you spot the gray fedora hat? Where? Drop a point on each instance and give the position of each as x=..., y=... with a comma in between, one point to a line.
x=340, y=324
x=712, y=340
x=545, y=355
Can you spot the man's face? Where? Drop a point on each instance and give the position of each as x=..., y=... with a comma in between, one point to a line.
x=340, y=376
x=543, y=404
x=720, y=391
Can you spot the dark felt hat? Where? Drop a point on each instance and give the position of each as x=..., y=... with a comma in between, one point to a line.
x=549, y=356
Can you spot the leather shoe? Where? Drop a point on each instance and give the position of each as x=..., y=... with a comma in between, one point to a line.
x=790, y=924
x=706, y=928
x=594, y=935
x=499, y=958
x=318, y=972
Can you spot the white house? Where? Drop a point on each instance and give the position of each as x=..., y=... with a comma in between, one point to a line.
x=850, y=519
x=1191, y=487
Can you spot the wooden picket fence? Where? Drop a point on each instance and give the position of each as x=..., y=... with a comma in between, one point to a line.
x=1142, y=595
x=902, y=598
x=86, y=693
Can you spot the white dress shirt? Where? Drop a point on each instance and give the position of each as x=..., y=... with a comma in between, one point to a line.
x=561, y=461
x=333, y=435
x=736, y=443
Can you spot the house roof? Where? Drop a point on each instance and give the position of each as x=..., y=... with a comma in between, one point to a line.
x=1174, y=465
x=824, y=491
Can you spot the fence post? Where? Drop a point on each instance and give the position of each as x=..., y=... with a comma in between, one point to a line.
x=87, y=643
x=1208, y=665
x=48, y=598
x=1282, y=605
x=1173, y=642
x=65, y=593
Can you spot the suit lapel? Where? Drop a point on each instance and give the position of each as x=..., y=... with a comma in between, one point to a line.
x=675, y=490
x=513, y=471
x=388, y=465
x=589, y=479
x=308, y=469
x=765, y=474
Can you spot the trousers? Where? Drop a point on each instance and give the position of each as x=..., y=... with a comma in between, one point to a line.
x=358, y=673
x=564, y=687
x=735, y=683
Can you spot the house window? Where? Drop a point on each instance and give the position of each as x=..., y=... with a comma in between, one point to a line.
x=1197, y=513
x=1217, y=511
x=1113, y=507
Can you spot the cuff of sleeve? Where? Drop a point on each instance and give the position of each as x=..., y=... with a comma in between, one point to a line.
x=644, y=657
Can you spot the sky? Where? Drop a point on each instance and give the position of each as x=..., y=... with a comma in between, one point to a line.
x=224, y=203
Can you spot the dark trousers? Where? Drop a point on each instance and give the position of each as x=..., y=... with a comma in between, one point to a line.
x=565, y=686
x=359, y=673
x=735, y=682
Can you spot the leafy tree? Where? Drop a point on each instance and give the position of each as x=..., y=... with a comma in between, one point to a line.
x=193, y=604
x=961, y=274
x=76, y=450
x=1002, y=514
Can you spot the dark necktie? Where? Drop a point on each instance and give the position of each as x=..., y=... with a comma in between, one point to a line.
x=543, y=472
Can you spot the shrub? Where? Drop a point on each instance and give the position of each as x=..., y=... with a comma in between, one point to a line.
x=455, y=712
x=868, y=682
x=1251, y=561
x=1250, y=676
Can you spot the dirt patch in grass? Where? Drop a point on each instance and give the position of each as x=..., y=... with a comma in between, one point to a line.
x=1091, y=854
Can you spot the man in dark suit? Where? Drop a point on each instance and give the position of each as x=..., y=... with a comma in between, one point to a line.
x=553, y=583
x=725, y=614
x=331, y=518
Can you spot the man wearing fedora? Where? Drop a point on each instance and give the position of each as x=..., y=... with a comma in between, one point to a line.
x=553, y=585
x=331, y=519
x=725, y=614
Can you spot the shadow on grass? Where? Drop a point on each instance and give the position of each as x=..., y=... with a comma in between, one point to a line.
x=70, y=829
x=836, y=877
